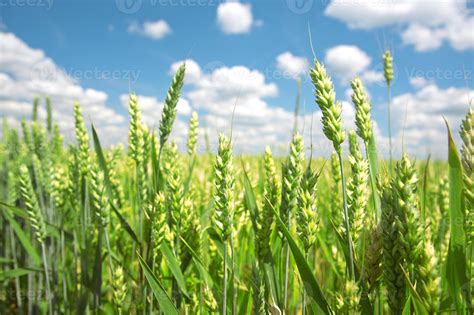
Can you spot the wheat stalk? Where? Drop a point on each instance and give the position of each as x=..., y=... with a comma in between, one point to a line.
x=334, y=131
x=224, y=202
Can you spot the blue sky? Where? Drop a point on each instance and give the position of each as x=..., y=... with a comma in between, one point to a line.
x=89, y=40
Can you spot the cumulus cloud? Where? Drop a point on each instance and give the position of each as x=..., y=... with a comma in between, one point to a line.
x=418, y=82
x=292, y=65
x=26, y=72
x=152, y=29
x=425, y=24
x=235, y=17
x=349, y=61
x=418, y=117
x=193, y=70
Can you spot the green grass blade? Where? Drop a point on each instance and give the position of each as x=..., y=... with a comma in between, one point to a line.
x=23, y=238
x=309, y=280
x=456, y=265
x=205, y=276
x=14, y=273
x=166, y=305
x=174, y=267
x=250, y=200
x=374, y=168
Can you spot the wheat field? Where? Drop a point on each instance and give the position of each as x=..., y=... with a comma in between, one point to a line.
x=143, y=228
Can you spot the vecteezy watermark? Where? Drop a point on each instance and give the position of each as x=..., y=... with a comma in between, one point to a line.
x=128, y=6
x=42, y=74
x=437, y=74
x=300, y=6
x=132, y=6
x=47, y=4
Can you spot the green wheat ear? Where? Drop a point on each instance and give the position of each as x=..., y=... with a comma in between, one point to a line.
x=363, y=107
x=388, y=67
x=307, y=216
x=82, y=138
x=292, y=173
x=31, y=203
x=135, y=133
x=467, y=151
x=326, y=100
x=169, y=108
x=357, y=189
x=272, y=195
x=224, y=188
x=193, y=133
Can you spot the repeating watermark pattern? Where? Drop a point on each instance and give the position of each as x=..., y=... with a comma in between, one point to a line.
x=47, y=4
x=437, y=74
x=53, y=74
x=128, y=6
x=300, y=6
x=133, y=6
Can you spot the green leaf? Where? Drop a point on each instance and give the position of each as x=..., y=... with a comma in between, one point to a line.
x=311, y=285
x=205, y=276
x=250, y=200
x=456, y=265
x=373, y=160
x=166, y=305
x=425, y=191
x=174, y=267
x=97, y=271
x=14, y=273
x=414, y=297
x=22, y=237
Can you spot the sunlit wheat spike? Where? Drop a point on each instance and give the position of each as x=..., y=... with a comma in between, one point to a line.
x=363, y=107
x=393, y=277
x=82, y=138
x=467, y=151
x=224, y=188
x=306, y=214
x=120, y=288
x=348, y=300
x=169, y=108
x=174, y=193
x=49, y=115
x=388, y=67
x=135, y=133
x=357, y=188
x=292, y=172
x=160, y=228
x=427, y=277
x=331, y=110
x=272, y=195
x=31, y=204
x=193, y=133
x=98, y=194
x=34, y=116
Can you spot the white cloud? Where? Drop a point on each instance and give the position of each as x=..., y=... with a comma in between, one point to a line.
x=418, y=82
x=292, y=65
x=422, y=37
x=418, y=117
x=425, y=24
x=234, y=17
x=193, y=70
x=349, y=61
x=26, y=72
x=152, y=29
